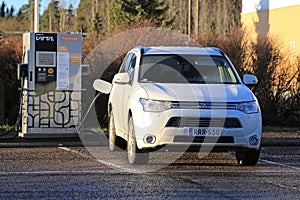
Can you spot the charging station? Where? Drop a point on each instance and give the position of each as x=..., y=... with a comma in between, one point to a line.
x=50, y=74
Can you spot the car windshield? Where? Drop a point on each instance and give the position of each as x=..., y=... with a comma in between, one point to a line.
x=196, y=69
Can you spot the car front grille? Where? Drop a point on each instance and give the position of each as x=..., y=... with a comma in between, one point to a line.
x=203, y=122
x=203, y=139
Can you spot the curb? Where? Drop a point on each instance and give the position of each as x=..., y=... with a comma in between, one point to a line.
x=280, y=142
x=26, y=143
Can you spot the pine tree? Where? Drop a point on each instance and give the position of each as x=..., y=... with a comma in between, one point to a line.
x=84, y=16
x=50, y=20
x=2, y=10
x=92, y=16
x=11, y=11
x=98, y=24
x=70, y=18
x=25, y=15
x=125, y=12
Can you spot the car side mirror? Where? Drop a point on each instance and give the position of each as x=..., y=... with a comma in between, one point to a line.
x=121, y=78
x=102, y=86
x=249, y=79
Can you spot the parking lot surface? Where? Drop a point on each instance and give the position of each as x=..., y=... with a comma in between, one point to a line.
x=68, y=170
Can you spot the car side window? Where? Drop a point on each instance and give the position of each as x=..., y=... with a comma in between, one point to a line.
x=131, y=67
x=126, y=63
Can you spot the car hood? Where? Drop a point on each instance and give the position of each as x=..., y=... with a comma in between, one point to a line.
x=199, y=92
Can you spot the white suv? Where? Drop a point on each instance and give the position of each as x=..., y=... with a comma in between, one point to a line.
x=182, y=97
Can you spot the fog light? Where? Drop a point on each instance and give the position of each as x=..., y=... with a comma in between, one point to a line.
x=150, y=139
x=254, y=140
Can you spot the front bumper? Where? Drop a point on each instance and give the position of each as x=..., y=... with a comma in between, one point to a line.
x=232, y=137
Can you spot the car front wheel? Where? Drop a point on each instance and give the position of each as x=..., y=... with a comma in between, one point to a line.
x=135, y=155
x=113, y=140
x=247, y=158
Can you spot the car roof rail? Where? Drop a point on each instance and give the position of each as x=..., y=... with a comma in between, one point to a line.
x=217, y=49
x=141, y=48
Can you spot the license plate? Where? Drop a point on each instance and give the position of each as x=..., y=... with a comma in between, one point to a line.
x=210, y=132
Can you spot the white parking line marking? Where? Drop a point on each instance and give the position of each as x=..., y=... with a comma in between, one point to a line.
x=121, y=168
x=159, y=172
x=82, y=172
x=103, y=162
x=279, y=164
x=65, y=148
x=73, y=151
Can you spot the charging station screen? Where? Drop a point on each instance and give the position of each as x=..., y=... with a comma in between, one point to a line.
x=46, y=59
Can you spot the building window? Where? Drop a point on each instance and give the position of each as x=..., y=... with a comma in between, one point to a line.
x=293, y=46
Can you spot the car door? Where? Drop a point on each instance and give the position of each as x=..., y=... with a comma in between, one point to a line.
x=128, y=90
x=116, y=98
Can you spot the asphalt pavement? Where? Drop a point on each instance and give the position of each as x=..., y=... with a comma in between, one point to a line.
x=64, y=168
x=73, y=173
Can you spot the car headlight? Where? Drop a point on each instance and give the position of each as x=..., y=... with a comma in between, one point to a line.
x=155, y=106
x=248, y=107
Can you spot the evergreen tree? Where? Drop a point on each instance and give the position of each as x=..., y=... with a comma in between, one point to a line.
x=2, y=10
x=50, y=20
x=84, y=16
x=70, y=10
x=24, y=12
x=25, y=15
x=57, y=18
x=11, y=11
x=124, y=12
x=70, y=19
x=98, y=24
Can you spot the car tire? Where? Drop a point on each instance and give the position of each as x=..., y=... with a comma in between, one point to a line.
x=135, y=155
x=113, y=140
x=247, y=158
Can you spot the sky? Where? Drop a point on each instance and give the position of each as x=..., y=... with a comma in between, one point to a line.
x=17, y=4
